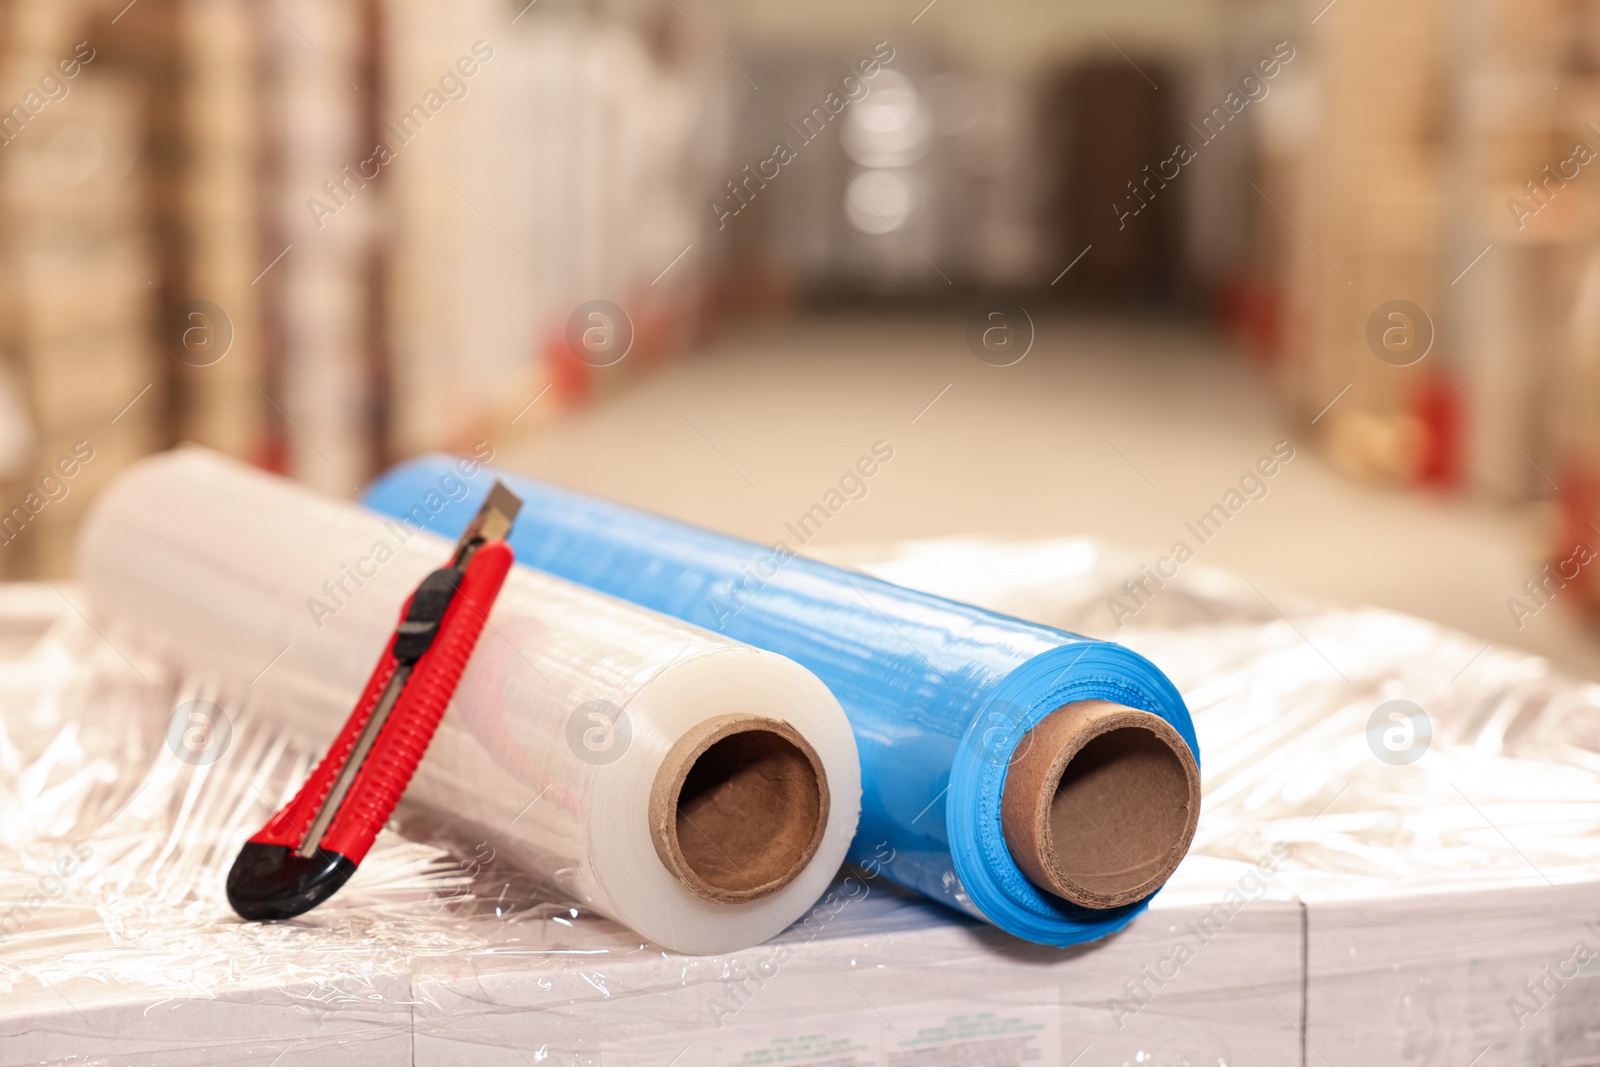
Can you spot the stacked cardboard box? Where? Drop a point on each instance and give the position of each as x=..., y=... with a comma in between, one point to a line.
x=1575, y=428
x=1440, y=166
x=317, y=241
x=1361, y=222
x=563, y=169
x=881, y=980
x=200, y=227
x=81, y=278
x=1506, y=314
x=129, y=246
x=219, y=405
x=468, y=263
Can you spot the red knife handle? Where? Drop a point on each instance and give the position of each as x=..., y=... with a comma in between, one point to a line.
x=405, y=737
x=288, y=827
x=383, y=776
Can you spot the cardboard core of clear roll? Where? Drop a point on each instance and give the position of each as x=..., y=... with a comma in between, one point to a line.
x=1100, y=803
x=739, y=807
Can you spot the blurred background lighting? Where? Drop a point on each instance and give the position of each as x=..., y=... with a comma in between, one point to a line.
x=879, y=201
x=327, y=235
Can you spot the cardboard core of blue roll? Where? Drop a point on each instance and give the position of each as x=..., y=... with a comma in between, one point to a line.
x=739, y=807
x=1100, y=803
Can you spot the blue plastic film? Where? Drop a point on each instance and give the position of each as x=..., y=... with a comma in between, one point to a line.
x=938, y=692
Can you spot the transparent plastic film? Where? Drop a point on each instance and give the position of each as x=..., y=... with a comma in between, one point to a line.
x=1308, y=719
x=570, y=712
x=1430, y=800
x=1402, y=920
x=945, y=699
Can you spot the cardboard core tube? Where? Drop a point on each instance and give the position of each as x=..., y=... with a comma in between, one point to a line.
x=1100, y=803
x=739, y=807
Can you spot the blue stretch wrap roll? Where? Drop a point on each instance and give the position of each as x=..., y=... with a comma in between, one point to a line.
x=938, y=692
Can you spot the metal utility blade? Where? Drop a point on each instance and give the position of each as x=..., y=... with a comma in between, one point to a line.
x=494, y=519
x=352, y=766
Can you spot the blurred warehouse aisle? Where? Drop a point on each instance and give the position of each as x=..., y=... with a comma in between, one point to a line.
x=324, y=237
x=1121, y=432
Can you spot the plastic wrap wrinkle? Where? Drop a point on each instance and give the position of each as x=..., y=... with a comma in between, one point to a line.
x=939, y=693
x=1281, y=707
x=1449, y=901
x=227, y=570
x=127, y=843
x=460, y=955
x=1420, y=924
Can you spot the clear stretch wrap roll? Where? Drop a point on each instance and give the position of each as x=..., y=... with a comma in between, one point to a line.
x=700, y=791
x=1043, y=781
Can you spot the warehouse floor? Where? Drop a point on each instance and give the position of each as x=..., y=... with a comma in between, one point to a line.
x=1119, y=432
